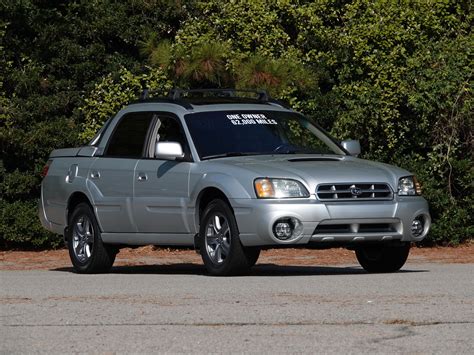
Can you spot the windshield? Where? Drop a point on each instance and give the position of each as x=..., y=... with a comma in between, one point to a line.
x=231, y=133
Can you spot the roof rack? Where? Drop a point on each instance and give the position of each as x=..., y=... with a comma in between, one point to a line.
x=210, y=96
x=145, y=97
x=176, y=94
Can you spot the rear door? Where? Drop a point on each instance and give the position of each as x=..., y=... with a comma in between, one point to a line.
x=112, y=174
x=161, y=193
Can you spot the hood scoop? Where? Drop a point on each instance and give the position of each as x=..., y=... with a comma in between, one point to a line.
x=293, y=160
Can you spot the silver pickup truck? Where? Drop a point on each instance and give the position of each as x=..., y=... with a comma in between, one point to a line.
x=229, y=176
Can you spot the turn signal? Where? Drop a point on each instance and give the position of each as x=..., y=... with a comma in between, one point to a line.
x=417, y=185
x=264, y=188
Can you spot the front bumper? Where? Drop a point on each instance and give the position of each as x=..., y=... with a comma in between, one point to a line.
x=359, y=221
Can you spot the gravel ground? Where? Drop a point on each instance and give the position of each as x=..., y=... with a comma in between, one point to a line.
x=54, y=259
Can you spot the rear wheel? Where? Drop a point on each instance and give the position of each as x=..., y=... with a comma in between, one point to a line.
x=381, y=258
x=221, y=250
x=87, y=252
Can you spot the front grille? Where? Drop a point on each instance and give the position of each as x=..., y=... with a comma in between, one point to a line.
x=351, y=192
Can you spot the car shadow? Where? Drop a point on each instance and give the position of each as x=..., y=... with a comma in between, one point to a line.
x=257, y=270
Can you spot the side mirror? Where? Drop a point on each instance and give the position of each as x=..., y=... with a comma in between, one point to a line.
x=168, y=150
x=352, y=146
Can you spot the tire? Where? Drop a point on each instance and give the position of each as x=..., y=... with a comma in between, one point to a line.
x=87, y=252
x=380, y=259
x=252, y=254
x=219, y=242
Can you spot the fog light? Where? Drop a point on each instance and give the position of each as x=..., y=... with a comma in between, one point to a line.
x=286, y=228
x=283, y=230
x=417, y=226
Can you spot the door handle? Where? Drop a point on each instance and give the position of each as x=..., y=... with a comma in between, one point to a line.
x=95, y=174
x=142, y=177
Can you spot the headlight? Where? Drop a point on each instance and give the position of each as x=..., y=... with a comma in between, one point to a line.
x=409, y=186
x=279, y=188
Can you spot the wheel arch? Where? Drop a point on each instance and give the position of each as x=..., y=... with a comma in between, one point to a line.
x=217, y=185
x=74, y=200
x=205, y=197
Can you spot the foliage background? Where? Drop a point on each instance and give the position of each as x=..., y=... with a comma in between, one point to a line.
x=395, y=74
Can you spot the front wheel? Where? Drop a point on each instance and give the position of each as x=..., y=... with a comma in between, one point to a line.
x=252, y=254
x=87, y=252
x=221, y=250
x=380, y=258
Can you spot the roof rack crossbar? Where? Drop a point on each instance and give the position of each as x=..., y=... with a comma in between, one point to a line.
x=179, y=96
x=176, y=94
x=163, y=100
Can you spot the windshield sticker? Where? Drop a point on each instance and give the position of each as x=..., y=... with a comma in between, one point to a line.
x=242, y=119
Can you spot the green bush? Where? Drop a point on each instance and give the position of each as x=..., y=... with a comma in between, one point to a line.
x=51, y=54
x=396, y=75
x=20, y=227
x=115, y=91
x=451, y=211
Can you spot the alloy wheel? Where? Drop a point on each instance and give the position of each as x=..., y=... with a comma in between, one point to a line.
x=83, y=239
x=217, y=238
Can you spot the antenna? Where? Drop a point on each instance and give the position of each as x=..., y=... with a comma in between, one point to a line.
x=144, y=95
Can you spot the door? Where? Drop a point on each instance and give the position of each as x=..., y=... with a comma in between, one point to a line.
x=161, y=193
x=111, y=176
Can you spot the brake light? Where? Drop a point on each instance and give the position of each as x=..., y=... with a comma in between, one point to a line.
x=45, y=169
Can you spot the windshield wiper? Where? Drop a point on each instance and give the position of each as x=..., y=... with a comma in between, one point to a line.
x=230, y=154
x=294, y=151
x=288, y=148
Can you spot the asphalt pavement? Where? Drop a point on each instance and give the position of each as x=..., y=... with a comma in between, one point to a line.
x=425, y=308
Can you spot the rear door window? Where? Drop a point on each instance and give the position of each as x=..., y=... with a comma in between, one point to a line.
x=129, y=137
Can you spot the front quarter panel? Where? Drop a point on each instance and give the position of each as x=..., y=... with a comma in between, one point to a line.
x=235, y=183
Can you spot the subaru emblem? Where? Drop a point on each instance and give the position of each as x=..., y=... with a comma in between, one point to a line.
x=356, y=191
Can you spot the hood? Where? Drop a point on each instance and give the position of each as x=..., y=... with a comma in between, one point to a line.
x=318, y=169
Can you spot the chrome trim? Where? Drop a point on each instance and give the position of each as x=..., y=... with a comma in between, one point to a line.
x=369, y=191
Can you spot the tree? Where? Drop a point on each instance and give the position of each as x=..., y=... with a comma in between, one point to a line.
x=396, y=75
x=53, y=52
